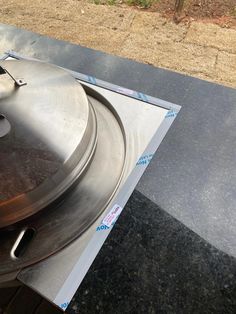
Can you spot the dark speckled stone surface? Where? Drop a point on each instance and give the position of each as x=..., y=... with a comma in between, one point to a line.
x=152, y=263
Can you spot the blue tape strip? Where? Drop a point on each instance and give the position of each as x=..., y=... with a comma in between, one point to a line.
x=64, y=305
x=92, y=80
x=171, y=114
x=144, y=160
x=143, y=97
x=102, y=227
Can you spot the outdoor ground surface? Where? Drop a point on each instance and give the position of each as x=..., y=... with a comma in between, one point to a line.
x=222, y=12
x=195, y=46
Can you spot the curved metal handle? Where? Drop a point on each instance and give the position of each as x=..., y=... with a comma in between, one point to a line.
x=18, y=82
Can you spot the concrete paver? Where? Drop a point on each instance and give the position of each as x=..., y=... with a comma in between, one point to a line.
x=152, y=23
x=182, y=57
x=226, y=68
x=211, y=35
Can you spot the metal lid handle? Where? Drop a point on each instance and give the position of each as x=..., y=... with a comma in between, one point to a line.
x=18, y=82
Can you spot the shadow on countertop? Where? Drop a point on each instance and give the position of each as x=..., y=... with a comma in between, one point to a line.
x=152, y=263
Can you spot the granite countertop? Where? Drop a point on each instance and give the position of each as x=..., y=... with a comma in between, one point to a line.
x=152, y=263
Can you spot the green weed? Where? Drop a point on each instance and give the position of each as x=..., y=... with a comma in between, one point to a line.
x=109, y=2
x=141, y=3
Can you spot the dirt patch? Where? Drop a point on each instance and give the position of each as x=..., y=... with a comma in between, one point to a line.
x=201, y=8
x=221, y=12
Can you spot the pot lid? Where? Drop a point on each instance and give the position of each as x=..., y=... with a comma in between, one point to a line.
x=47, y=136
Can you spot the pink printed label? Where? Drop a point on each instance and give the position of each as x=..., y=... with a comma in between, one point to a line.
x=112, y=215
